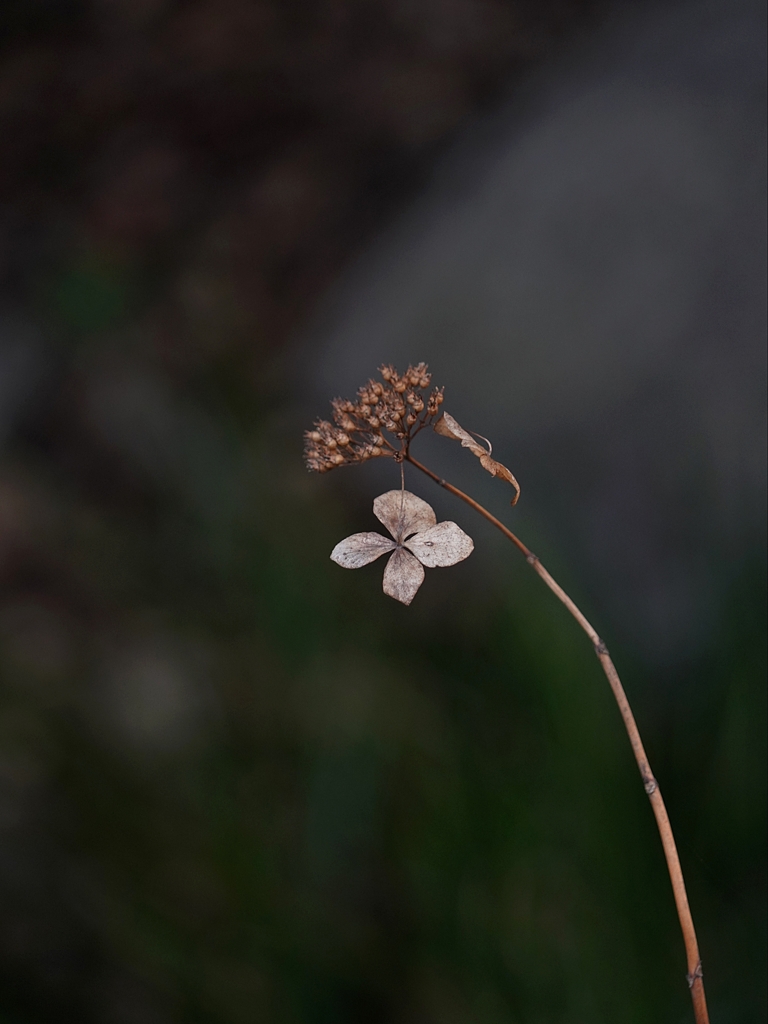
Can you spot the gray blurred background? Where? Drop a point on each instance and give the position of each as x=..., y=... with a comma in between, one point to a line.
x=587, y=275
x=238, y=784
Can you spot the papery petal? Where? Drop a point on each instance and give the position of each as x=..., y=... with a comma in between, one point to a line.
x=403, y=575
x=441, y=545
x=360, y=549
x=403, y=513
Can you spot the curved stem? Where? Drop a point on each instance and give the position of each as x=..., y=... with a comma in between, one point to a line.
x=695, y=977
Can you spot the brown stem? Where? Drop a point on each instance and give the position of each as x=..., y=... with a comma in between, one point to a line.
x=695, y=978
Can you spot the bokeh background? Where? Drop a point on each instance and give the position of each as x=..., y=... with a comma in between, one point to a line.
x=238, y=784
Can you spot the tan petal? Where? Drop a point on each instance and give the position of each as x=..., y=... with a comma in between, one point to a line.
x=360, y=549
x=497, y=469
x=403, y=576
x=448, y=427
x=403, y=513
x=444, y=544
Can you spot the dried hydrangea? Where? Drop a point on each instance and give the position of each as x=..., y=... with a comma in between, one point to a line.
x=382, y=422
x=419, y=540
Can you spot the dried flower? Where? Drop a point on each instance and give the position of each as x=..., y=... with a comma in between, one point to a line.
x=448, y=427
x=397, y=406
x=419, y=540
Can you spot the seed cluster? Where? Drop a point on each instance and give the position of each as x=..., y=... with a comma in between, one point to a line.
x=398, y=406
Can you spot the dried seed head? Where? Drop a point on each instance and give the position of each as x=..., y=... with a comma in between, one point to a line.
x=396, y=405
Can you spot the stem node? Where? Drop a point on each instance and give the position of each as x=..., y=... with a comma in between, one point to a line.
x=697, y=973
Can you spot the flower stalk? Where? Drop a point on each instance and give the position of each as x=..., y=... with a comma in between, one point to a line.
x=382, y=423
x=694, y=976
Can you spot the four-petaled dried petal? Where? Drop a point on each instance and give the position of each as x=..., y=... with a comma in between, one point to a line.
x=403, y=575
x=360, y=549
x=441, y=545
x=403, y=513
x=413, y=525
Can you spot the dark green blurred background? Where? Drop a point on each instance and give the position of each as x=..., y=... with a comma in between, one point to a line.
x=238, y=784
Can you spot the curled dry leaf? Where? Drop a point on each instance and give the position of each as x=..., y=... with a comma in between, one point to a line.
x=498, y=469
x=448, y=427
x=419, y=540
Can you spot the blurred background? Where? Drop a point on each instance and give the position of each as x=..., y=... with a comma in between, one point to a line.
x=237, y=783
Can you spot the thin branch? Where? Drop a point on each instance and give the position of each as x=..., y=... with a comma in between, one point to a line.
x=695, y=978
